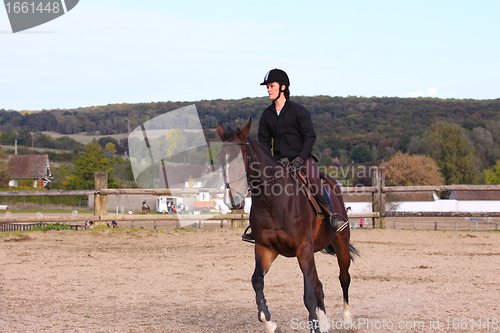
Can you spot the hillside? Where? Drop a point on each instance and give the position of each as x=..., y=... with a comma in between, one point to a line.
x=383, y=124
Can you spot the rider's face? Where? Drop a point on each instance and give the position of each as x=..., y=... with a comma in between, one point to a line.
x=273, y=90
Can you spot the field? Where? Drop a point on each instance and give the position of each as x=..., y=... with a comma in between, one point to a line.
x=84, y=138
x=198, y=280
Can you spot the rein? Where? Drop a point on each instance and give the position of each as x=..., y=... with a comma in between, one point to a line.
x=271, y=180
x=247, y=144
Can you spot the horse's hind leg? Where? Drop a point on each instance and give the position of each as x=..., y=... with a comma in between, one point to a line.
x=341, y=245
x=264, y=257
x=313, y=290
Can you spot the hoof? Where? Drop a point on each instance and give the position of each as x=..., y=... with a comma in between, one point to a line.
x=324, y=324
x=271, y=327
x=264, y=315
x=347, y=317
x=346, y=314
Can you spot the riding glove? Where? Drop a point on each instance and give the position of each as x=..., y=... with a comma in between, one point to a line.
x=296, y=163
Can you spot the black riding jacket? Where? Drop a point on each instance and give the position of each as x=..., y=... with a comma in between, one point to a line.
x=292, y=132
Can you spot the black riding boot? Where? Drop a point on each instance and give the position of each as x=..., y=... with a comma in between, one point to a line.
x=336, y=224
x=248, y=236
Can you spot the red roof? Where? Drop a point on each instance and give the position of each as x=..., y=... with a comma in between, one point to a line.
x=27, y=166
x=475, y=195
x=389, y=197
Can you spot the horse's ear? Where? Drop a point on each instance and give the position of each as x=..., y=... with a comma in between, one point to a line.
x=246, y=130
x=221, y=131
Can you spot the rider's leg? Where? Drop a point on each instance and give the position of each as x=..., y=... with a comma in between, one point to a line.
x=321, y=193
x=325, y=199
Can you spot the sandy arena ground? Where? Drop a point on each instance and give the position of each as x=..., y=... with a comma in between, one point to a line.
x=198, y=280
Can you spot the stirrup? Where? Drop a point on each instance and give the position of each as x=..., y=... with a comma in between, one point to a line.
x=248, y=236
x=339, y=226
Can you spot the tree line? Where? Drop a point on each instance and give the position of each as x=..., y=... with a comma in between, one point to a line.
x=461, y=136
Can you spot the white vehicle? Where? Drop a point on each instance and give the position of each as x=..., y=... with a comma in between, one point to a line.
x=165, y=204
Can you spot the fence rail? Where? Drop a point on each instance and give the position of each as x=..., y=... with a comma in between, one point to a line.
x=47, y=193
x=387, y=189
x=134, y=217
x=439, y=214
x=237, y=218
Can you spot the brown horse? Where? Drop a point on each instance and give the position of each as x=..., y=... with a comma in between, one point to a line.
x=145, y=208
x=283, y=222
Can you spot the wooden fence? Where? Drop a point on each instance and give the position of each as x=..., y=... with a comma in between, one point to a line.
x=237, y=218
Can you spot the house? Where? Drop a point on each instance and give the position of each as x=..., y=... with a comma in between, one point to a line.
x=361, y=202
x=35, y=167
x=476, y=201
x=458, y=201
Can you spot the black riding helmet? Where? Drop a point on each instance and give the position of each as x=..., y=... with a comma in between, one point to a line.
x=277, y=75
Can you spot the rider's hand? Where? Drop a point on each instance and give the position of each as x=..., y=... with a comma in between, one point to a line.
x=296, y=163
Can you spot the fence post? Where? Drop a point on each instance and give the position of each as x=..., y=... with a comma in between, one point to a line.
x=100, y=200
x=237, y=223
x=378, y=197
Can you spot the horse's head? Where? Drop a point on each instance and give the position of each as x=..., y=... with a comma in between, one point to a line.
x=234, y=160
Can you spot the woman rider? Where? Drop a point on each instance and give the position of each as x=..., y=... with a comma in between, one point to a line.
x=286, y=129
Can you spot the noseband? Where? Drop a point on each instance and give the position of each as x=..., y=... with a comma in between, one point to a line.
x=228, y=183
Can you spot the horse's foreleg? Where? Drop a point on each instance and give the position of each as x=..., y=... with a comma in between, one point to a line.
x=264, y=257
x=313, y=290
x=341, y=246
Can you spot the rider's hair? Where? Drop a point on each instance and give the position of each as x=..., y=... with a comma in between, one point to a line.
x=286, y=92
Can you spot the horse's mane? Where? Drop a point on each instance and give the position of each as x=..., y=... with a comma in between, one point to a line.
x=230, y=132
x=264, y=149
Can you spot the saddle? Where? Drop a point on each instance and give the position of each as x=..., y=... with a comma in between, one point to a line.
x=304, y=183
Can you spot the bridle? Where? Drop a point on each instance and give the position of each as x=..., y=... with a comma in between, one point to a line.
x=227, y=183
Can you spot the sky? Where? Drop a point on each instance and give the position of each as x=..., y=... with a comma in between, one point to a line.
x=110, y=51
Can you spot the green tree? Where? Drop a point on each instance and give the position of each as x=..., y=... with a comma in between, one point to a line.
x=453, y=155
x=8, y=137
x=175, y=141
x=86, y=164
x=4, y=180
x=106, y=139
x=122, y=173
x=485, y=146
x=110, y=147
x=492, y=176
x=67, y=143
x=361, y=153
x=59, y=175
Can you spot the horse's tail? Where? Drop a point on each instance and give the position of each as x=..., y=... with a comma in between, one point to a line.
x=353, y=251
